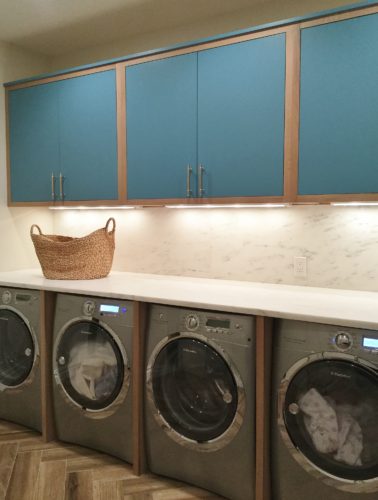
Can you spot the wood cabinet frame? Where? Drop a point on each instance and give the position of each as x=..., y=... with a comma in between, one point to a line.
x=291, y=126
x=121, y=172
x=291, y=114
x=330, y=198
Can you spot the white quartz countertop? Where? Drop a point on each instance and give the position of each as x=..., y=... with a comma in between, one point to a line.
x=321, y=305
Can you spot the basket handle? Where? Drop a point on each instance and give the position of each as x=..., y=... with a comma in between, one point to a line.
x=111, y=219
x=37, y=227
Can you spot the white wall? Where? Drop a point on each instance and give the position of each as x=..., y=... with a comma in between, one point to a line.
x=254, y=244
x=16, y=250
x=265, y=11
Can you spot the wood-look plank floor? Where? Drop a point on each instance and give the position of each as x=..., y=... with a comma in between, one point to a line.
x=31, y=469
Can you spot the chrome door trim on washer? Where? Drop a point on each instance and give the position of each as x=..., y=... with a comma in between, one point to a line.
x=229, y=434
x=354, y=486
x=29, y=379
x=113, y=407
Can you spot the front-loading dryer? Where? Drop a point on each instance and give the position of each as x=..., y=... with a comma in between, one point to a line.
x=200, y=399
x=92, y=373
x=325, y=412
x=20, y=376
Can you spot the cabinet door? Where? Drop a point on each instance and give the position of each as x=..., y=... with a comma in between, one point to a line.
x=88, y=136
x=161, y=126
x=33, y=142
x=241, y=95
x=338, y=148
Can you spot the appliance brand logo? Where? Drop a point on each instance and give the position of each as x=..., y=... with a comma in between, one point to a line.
x=342, y=375
x=185, y=349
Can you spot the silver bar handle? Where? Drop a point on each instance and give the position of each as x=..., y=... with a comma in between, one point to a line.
x=52, y=186
x=201, y=170
x=189, y=171
x=61, y=187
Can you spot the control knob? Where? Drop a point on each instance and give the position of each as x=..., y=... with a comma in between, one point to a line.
x=343, y=341
x=192, y=322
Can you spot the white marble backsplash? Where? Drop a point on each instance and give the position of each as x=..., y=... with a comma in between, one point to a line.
x=252, y=244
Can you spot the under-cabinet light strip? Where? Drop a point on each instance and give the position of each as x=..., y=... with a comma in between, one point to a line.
x=249, y=205
x=124, y=207
x=129, y=207
x=355, y=204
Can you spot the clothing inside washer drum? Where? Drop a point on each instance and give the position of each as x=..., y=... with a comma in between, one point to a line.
x=332, y=427
x=92, y=369
x=331, y=415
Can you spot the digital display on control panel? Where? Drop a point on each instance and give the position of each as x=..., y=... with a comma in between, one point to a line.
x=21, y=297
x=370, y=342
x=218, y=323
x=109, y=308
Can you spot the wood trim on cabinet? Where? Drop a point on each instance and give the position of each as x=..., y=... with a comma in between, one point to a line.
x=339, y=17
x=59, y=204
x=207, y=45
x=66, y=76
x=206, y=201
x=121, y=132
x=335, y=198
x=291, y=114
x=139, y=465
x=264, y=327
x=47, y=310
x=7, y=144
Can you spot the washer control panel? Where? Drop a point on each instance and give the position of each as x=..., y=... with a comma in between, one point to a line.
x=356, y=341
x=218, y=325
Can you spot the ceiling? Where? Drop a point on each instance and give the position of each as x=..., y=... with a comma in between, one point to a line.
x=54, y=27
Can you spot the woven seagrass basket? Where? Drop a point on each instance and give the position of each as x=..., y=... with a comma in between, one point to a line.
x=66, y=258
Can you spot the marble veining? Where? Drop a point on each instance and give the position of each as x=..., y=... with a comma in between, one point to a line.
x=251, y=244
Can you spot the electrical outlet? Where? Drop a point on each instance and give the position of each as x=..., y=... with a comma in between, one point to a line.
x=300, y=267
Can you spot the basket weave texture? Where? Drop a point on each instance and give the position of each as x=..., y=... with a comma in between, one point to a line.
x=66, y=258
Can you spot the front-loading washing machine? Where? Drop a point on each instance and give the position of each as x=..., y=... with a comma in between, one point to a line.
x=20, y=376
x=325, y=412
x=92, y=358
x=200, y=399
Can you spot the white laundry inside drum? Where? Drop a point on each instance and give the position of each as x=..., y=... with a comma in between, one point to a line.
x=92, y=369
x=332, y=427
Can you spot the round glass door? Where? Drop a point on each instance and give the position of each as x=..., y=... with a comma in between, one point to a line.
x=194, y=389
x=16, y=349
x=90, y=365
x=331, y=416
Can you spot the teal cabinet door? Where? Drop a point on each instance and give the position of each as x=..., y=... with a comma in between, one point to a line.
x=33, y=142
x=88, y=136
x=161, y=127
x=241, y=99
x=338, y=141
x=69, y=128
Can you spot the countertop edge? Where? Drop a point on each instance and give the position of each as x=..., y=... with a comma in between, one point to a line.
x=319, y=305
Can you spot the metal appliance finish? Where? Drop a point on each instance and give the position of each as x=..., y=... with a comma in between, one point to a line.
x=200, y=395
x=346, y=360
x=100, y=418
x=20, y=378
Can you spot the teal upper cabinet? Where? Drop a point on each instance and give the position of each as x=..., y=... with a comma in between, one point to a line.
x=207, y=124
x=241, y=100
x=161, y=126
x=338, y=145
x=33, y=142
x=63, y=140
